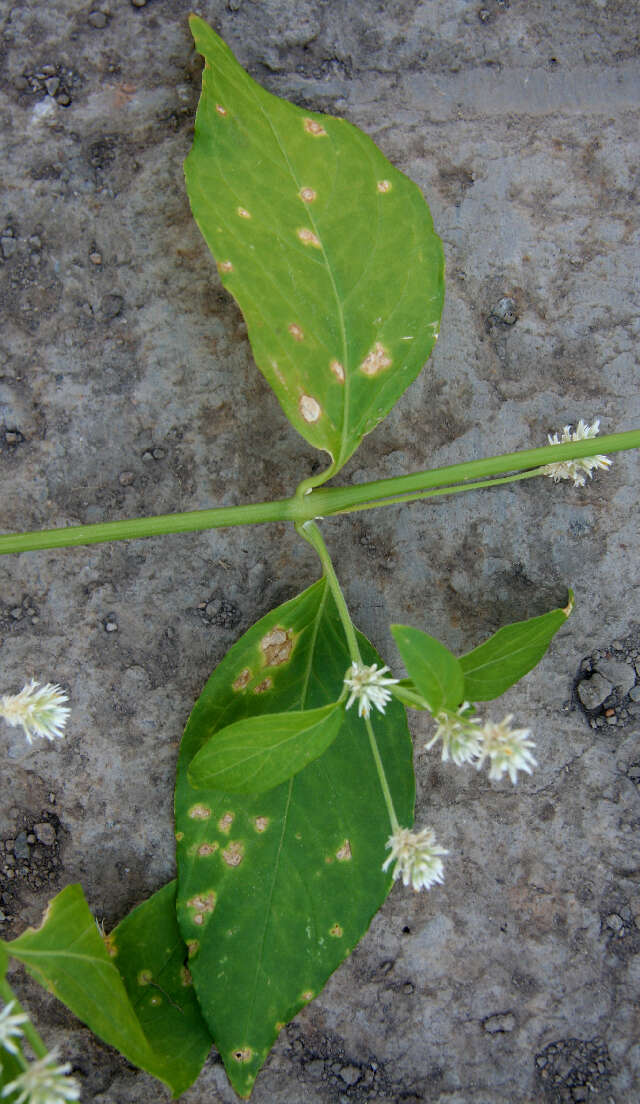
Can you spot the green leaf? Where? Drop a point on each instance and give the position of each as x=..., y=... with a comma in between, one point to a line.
x=151, y=957
x=329, y=251
x=509, y=654
x=68, y=956
x=434, y=669
x=276, y=889
x=10, y=1068
x=258, y=753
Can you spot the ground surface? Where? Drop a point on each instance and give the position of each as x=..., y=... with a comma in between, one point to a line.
x=127, y=387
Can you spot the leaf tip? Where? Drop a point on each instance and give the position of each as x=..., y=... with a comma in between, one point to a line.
x=568, y=609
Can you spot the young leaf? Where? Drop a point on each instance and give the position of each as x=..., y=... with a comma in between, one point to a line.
x=256, y=754
x=276, y=889
x=68, y=956
x=329, y=251
x=434, y=669
x=509, y=654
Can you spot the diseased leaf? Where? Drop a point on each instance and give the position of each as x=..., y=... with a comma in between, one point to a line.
x=68, y=956
x=435, y=671
x=256, y=754
x=276, y=889
x=151, y=957
x=509, y=654
x=329, y=251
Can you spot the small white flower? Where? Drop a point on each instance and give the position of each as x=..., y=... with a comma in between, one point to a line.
x=44, y=1083
x=11, y=1027
x=506, y=748
x=39, y=709
x=576, y=469
x=368, y=687
x=459, y=735
x=417, y=857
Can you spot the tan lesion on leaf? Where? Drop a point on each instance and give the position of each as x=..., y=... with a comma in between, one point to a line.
x=221, y=110
x=225, y=822
x=202, y=905
x=185, y=977
x=242, y=211
x=243, y=680
x=179, y=837
x=225, y=266
x=309, y=408
x=296, y=332
x=337, y=370
x=145, y=977
x=261, y=823
x=263, y=686
x=193, y=946
x=307, y=237
x=336, y=931
x=243, y=1054
x=234, y=853
x=199, y=812
x=307, y=995
x=110, y=944
x=307, y=195
x=276, y=646
x=343, y=854
x=384, y=186
x=376, y=360
x=314, y=128
x=206, y=849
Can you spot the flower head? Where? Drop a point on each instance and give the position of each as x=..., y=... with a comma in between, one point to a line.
x=38, y=709
x=459, y=734
x=576, y=469
x=369, y=687
x=506, y=748
x=44, y=1083
x=11, y=1027
x=417, y=857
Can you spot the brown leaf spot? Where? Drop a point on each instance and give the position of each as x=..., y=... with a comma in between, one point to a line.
x=337, y=370
x=198, y=918
x=225, y=822
x=225, y=266
x=336, y=931
x=221, y=110
x=179, y=837
x=307, y=194
x=309, y=408
x=375, y=361
x=314, y=128
x=185, y=977
x=206, y=849
x=307, y=237
x=144, y=977
x=243, y=680
x=343, y=854
x=204, y=904
x=242, y=211
x=199, y=812
x=110, y=944
x=308, y=995
x=266, y=684
x=384, y=186
x=234, y=853
x=243, y=1054
x=261, y=824
x=296, y=332
x=277, y=646
x=193, y=946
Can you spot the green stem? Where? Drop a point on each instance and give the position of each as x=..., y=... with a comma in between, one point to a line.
x=308, y=503
x=438, y=492
x=311, y=533
x=28, y=1030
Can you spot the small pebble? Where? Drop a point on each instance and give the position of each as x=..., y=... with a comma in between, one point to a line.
x=634, y=693
x=8, y=247
x=110, y=626
x=52, y=85
x=126, y=478
x=45, y=832
x=95, y=258
x=21, y=84
x=159, y=453
x=97, y=19
x=138, y=3
x=64, y=99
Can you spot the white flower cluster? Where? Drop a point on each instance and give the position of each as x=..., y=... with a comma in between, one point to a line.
x=11, y=1027
x=416, y=856
x=39, y=709
x=43, y=1082
x=576, y=469
x=466, y=739
x=368, y=687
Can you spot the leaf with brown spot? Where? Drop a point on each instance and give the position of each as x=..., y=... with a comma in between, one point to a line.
x=266, y=949
x=328, y=249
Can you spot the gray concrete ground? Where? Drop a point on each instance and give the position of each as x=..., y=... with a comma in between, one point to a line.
x=127, y=387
